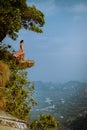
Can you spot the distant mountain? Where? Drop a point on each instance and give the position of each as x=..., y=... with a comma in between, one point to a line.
x=65, y=101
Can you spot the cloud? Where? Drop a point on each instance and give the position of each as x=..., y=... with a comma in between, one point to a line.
x=79, y=8
x=76, y=11
x=51, y=6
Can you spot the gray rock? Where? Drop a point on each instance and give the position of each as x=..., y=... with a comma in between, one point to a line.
x=8, y=122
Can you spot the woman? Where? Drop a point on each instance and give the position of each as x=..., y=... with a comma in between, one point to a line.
x=20, y=53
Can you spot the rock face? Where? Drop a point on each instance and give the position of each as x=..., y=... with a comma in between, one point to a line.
x=26, y=63
x=23, y=63
x=8, y=122
x=4, y=78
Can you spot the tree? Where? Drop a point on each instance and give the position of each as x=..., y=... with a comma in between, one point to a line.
x=46, y=122
x=16, y=14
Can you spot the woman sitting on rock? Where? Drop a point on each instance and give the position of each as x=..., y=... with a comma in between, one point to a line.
x=20, y=53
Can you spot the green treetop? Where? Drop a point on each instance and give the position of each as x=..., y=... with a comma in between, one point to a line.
x=16, y=14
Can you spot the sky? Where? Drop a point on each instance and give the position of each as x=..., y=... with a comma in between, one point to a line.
x=60, y=52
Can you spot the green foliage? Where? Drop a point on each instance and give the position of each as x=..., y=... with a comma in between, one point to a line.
x=15, y=14
x=18, y=91
x=46, y=122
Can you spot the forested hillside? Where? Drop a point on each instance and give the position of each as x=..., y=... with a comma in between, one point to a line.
x=65, y=101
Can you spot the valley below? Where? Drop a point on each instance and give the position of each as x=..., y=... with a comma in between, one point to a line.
x=65, y=101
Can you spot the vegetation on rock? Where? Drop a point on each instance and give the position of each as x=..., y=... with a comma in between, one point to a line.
x=18, y=92
x=14, y=15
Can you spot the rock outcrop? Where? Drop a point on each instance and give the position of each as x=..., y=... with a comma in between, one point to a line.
x=8, y=122
x=23, y=63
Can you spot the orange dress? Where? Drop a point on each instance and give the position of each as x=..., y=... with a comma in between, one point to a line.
x=20, y=53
